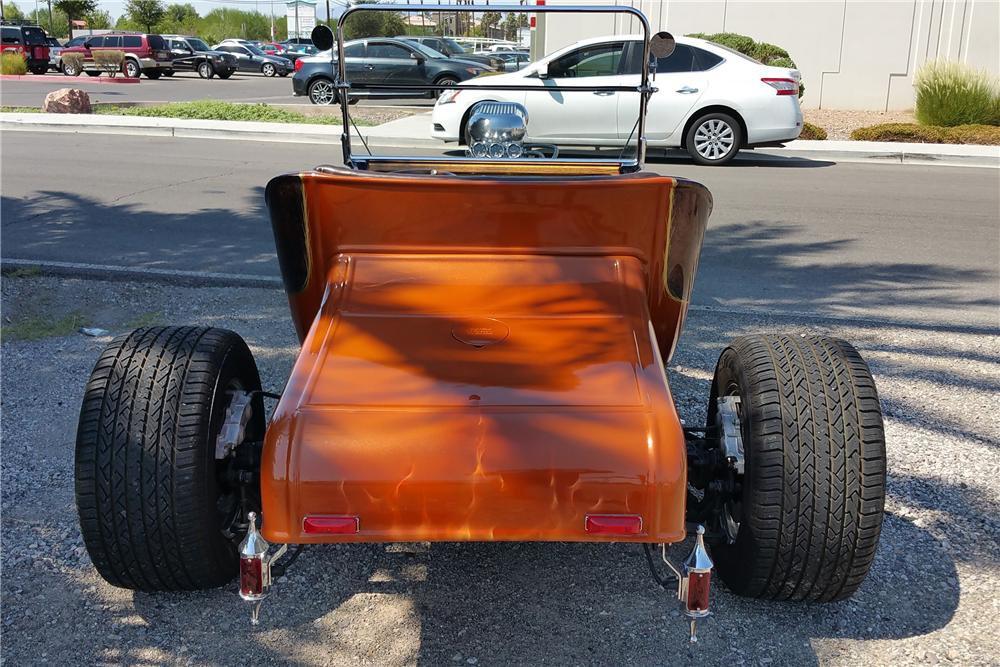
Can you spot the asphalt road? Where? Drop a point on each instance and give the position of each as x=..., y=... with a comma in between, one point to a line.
x=902, y=242
x=182, y=87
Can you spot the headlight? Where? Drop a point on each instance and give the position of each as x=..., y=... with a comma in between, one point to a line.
x=496, y=129
x=448, y=96
x=474, y=71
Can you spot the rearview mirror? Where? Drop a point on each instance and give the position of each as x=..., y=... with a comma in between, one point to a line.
x=322, y=37
x=662, y=44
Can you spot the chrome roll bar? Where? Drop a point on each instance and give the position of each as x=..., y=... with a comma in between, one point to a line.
x=644, y=89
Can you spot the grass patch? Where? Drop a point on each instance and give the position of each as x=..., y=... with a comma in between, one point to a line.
x=20, y=110
x=813, y=132
x=952, y=94
x=23, y=272
x=988, y=135
x=13, y=63
x=36, y=327
x=212, y=110
x=150, y=319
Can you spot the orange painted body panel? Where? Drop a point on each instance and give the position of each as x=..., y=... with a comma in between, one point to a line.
x=482, y=358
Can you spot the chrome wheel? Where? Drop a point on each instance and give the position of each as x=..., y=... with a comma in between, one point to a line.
x=268, y=70
x=714, y=139
x=322, y=92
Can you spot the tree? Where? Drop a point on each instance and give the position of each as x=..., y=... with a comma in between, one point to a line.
x=147, y=13
x=374, y=24
x=74, y=9
x=12, y=12
x=488, y=23
x=99, y=19
x=181, y=14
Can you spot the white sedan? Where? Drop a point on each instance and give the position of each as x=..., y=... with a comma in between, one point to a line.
x=711, y=100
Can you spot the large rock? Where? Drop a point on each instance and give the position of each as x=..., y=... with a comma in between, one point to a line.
x=67, y=100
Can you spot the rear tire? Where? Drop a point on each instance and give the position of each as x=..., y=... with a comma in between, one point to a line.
x=713, y=139
x=813, y=492
x=168, y=72
x=225, y=75
x=93, y=73
x=322, y=92
x=40, y=69
x=131, y=69
x=69, y=69
x=152, y=498
x=152, y=73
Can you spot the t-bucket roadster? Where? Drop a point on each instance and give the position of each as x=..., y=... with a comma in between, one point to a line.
x=483, y=348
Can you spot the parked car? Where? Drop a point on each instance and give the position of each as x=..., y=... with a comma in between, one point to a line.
x=28, y=41
x=249, y=58
x=144, y=54
x=296, y=51
x=380, y=60
x=710, y=101
x=453, y=49
x=512, y=61
x=55, y=48
x=298, y=40
x=193, y=55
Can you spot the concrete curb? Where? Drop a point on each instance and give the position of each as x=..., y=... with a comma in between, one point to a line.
x=400, y=134
x=140, y=274
x=43, y=79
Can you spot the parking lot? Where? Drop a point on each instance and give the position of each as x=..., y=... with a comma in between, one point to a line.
x=901, y=260
x=181, y=87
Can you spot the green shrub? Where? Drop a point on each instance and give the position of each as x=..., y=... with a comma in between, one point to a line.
x=813, y=132
x=762, y=52
x=76, y=59
x=13, y=63
x=212, y=110
x=109, y=61
x=951, y=94
x=929, y=134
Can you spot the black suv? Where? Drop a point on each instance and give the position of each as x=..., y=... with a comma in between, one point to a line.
x=193, y=55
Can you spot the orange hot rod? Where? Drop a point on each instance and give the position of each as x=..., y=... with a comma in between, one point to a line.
x=484, y=340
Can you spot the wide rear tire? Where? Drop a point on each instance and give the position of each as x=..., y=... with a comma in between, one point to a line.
x=152, y=497
x=813, y=491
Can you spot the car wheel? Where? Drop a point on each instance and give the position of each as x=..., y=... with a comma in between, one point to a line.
x=443, y=81
x=156, y=487
x=224, y=75
x=205, y=70
x=322, y=91
x=69, y=69
x=131, y=69
x=40, y=69
x=168, y=72
x=93, y=74
x=713, y=139
x=804, y=518
x=152, y=73
x=268, y=69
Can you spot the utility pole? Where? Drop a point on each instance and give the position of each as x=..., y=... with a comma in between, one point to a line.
x=52, y=30
x=272, y=21
x=296, y=19
x=328, y=18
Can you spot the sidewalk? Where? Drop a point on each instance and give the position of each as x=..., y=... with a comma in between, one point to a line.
x=413, y=132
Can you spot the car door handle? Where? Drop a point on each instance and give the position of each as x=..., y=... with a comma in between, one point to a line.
x=604, y=93
x=369, y=66
x=687, y=90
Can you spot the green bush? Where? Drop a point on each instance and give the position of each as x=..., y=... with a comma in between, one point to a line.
x=813, y=132
x=212, y=110
x=951, y=94
x=762, y=52
x=13, y=63
x=109, y=61
x=929, y=134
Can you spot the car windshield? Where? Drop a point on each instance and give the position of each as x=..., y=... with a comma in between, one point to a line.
x=197, y=44
x=53, y=41
x=34, y=36
x=426, y=50
x=452, y=45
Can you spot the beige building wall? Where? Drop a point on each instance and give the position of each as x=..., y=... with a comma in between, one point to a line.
x=853, y=54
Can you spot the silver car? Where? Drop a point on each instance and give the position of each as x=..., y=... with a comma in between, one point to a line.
x=55, y=51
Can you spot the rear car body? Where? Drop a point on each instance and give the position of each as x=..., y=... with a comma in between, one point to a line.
x=697, y=77
x=28, y=41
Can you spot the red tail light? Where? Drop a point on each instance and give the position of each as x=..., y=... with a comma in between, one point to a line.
x=251, y=577
x=783, y=86
x=298, y=64
x=330, y=525
x=613, y=524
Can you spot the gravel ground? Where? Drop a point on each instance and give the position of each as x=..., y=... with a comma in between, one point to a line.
x=839, y=123
x=932, y=595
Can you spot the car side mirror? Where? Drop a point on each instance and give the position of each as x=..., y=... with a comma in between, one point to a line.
x=543, y=71
x=662, y=44
x=419, y=58
x=322, y=37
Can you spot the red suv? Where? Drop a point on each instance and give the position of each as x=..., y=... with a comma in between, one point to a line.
x=144, y=54
x=30, y=42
